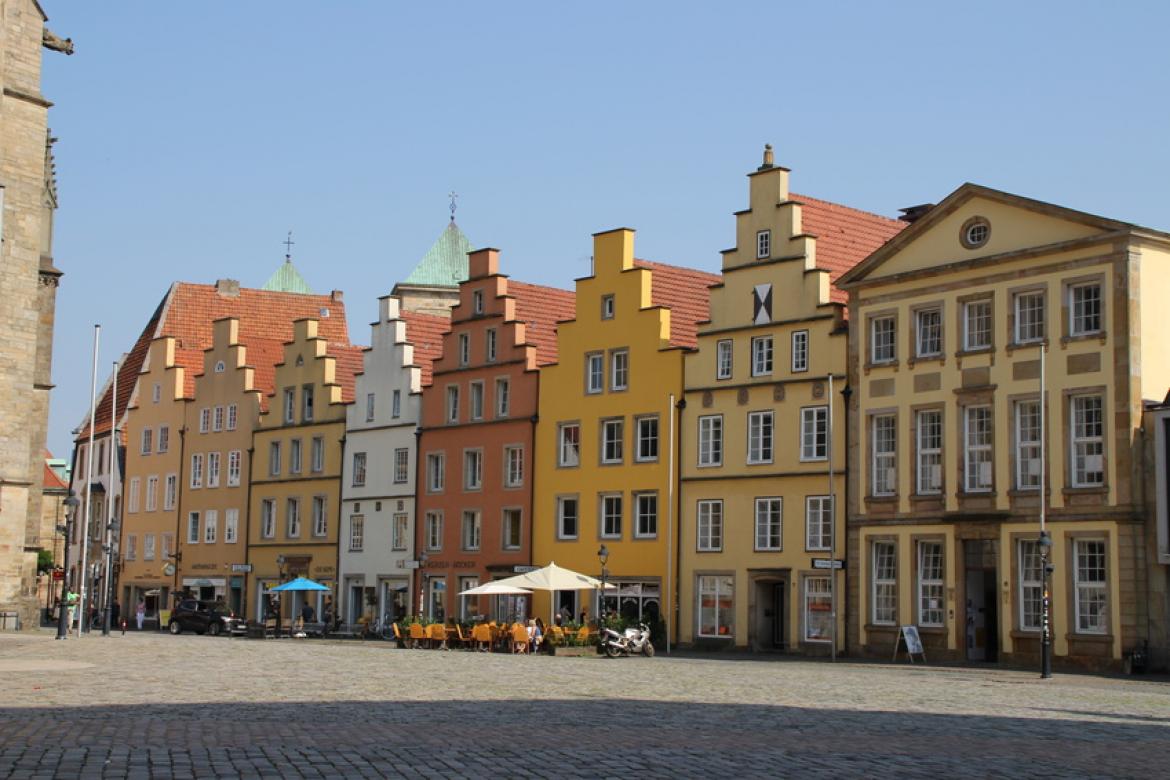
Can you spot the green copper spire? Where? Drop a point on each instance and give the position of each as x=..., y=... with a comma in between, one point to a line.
x=445, y=263
x=287, y=278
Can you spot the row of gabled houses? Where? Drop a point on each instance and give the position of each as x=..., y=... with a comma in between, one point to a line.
x=841, y=434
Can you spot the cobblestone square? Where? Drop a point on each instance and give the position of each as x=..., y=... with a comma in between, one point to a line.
x=149, y=705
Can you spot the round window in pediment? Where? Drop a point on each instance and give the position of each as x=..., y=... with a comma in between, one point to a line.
x=975, y=232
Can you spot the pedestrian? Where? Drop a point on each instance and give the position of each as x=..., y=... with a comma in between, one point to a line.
x=140, y=613
x=71, y=599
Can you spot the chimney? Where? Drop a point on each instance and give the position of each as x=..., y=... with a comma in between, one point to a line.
x=336, y=295
x=912, y=214
x=769, y=160
x=227, y=288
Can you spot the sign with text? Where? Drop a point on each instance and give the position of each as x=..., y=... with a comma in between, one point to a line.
x=828, y=563
x=908, y=637
x=244, y=568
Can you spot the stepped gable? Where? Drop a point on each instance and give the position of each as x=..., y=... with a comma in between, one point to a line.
x=845, y=236
x=540, y=308
x=425, y=333
x=686, y=292
x=347, y=364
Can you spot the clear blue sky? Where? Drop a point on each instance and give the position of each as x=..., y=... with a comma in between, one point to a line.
x=193, y=136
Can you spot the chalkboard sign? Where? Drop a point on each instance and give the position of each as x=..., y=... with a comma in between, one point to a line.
x=908, y=635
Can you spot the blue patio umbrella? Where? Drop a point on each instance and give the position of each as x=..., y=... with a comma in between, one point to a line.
x=301, y=584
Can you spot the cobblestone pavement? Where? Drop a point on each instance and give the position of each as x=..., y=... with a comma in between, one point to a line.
x=147, y=705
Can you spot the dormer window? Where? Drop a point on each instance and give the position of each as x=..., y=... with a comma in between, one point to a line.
x=477, y=301
x=763, y=244
x=607, y=307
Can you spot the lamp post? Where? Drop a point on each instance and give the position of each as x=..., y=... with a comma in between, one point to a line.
x=603, y=556
x=1045, y=606
x=71, y=504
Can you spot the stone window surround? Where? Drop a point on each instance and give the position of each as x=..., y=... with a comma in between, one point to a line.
x=1101, y=492
x=1066, y=335
x=915, y=539
x=868, y=335
x=912, y=356
x=961, y=323
x=1070, y=538
x=935, y=498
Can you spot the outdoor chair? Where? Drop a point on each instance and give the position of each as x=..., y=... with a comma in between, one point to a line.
x=437, y=633
x=270, y=628
x=557, y=635
x=482, y=635
x=583, y=636
x=519, y=639
x=398, y=638
x=463, y=639
x=417, y=635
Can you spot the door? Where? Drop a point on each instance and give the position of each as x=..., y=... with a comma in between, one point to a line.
x=980, y=580
x=769, y=623
x=778, y=591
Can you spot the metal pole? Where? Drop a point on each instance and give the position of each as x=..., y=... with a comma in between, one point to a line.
x=832, y=529
x=1045, y=539
x=84, y=575
x=62, y=619
x=669, y=524
x=109, y=545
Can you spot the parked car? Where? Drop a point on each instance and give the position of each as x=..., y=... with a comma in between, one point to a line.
x=205, y=617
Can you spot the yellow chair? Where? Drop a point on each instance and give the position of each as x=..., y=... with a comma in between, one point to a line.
x=519, y=638
x=417, y=635
x=482, y=636
x=437, y=633
x=583, y=636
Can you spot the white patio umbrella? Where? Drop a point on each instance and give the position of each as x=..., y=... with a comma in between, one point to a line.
x=495, y=589
x=553, y=577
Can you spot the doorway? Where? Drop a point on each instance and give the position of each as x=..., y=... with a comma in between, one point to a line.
x=981, y=579
x=770, y=615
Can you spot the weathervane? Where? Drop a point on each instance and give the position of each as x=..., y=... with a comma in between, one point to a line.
x=288, y=245
x=453, y=197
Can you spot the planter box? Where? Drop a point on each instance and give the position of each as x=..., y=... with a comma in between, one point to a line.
x=571, y=651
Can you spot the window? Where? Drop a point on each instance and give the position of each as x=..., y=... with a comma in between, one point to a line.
x=607, y=307
x=882, y=340
x=472, y=469
x=400, y=531
x=1088, y=441
x=799, y=351
x=723, y=356
x=464, y=348
x=513, y=467
x=1031, y=585
x=569, y=447
x=512, y=530
x=320, y=517
x=567, y=517
x=452, y=404
x=1084, y=309
x=210, y=526
x=490, y=345
x=307, y=403
x=231, y=526
x=290, y=405
x=477, y=301
x=884, y=594
x=503, y=397
x=763, y=244
x=1090, y=586
x=476, y=400
x=151, y=493
x=814, y=433
x=929, y=333
x=645, y=515
x=611, y=440
x=204, y=419
x=471, y=530
x=213, y=469
x=977, y=325
x=711, y=440
x=930, y=583
x=233, y=477
x=594, y=372
x=647, y=445
x=761, y=355
x=274, y=458
x=396, y=404
x=710, y=526
x=359, y=469
x=884, y=478
x=193, y=528
x=294, y=456
x=146, y=441
x=217, y=419
x=975, y=232
x=148, y=547
x=167, y=541
x=611, y=516
x=369, y=407
x=170, y=492
x=435, y=476
x=977, y=427
x=1028, y=445
x=619, y=369
x=268, y=518
x=759, y=437
x=318, y=456
x=197, y=470
x=156, y=393
x=132, y=499
x=401, y=465
x=357, y=532
x=434, y=530
x=164, y=438
x=1029, y=317
x=818, y=523
x=232, y=415
x=818, y=609
x=292, y=514
x=131, y=546
x=769, y=524
x=716, y=606
x=930, y=431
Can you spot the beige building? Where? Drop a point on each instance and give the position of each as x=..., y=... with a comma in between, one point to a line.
x=953, y=323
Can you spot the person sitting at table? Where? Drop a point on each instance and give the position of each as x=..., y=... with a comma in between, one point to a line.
x=535, y=634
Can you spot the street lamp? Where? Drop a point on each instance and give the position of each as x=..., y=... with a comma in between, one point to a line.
x=71, y=504
x=603, y=556
x=1046, y=606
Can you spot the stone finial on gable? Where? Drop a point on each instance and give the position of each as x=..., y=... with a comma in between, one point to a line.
x=769, y=160
x=613, y=248
x=483, y=262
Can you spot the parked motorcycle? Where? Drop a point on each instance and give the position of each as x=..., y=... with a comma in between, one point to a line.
x=629, y=642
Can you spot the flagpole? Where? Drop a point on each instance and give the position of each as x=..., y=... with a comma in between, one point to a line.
x=1045, y=539
x=108, y=585
x=83, y=575
x=832, y=529
x=669, y=611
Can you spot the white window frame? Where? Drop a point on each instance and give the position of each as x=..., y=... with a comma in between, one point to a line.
x=594, y=373
x=359, y=469
x=769, y=524
x=475, y=399
x=883, y=340
x=799, y=351
x=357, y=532
x=452, y=403
x=318, y=454
x=134, y=488
x=507, y=515
x=436, y=472
x=978, y=448
x=607, y=520
x=401, y=465
x=395, y=404
x=292, y=518
x=231, y=526
x=883, y=581
x=562, y=516
x=928, y=332
x=193, y=524
x=607, y=307
x=290, y=406
x=164, y=439
x=619, y=370
x=814, y=433
x=370, y=404
x=433, y=530
x=477, y=301
x=308, y=399
x=613, y=440
x=821, y=593
x=818, y=523
x=205, y=419
x=490, y=345
x=170, y=491
x=641, y=514
x=268, y=518
x=1030, y=594
x=883, y=447
x=233, y=414
x=514, y=466
x=761, y=437
x=929, y=463
x=761, y=356
x=1086, y=441
x=473, y=468
x=471, y=530
x=1027, y=430
x=196, y=470
x=716, y=586
x=213, y=469
x=217, y=418
x=763, y=244
x=274, y=459
x=977, y=322
x=1035, y=330
x=464, y=349
x=400, y=531
x=710, y=441
x=724, y=358
x=210, y=526
x=146, y=443
x=1088, y=590
x=644, y=436
x=320, y=510
x=503, y=397
x=709, y=525
x=295, y=456
x=152, y=493
x=933, y=587
x=569, y=446
x=235, y=460
x=1077, y=316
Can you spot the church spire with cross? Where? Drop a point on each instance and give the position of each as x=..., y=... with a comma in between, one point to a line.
x=287, y=278
x=433, y=285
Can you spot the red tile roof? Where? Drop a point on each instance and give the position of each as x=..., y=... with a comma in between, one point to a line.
x=845, y=236
x=425, y=332
x=52, y=481
x=686, y=292
x=539, y=308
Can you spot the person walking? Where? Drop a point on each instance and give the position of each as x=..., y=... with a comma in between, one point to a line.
x=140, y=613
x=71, y=599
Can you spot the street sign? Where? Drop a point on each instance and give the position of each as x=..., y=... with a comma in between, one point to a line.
x=410, y=564
x=522, y=569
x=244, y=568
x=828, y=563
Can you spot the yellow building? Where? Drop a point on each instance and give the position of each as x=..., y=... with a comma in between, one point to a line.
x=603, y=440
x=757, y=510
x=296, y=469
x=956, y=318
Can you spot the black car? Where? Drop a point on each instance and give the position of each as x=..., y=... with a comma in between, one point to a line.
x=204, y=617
